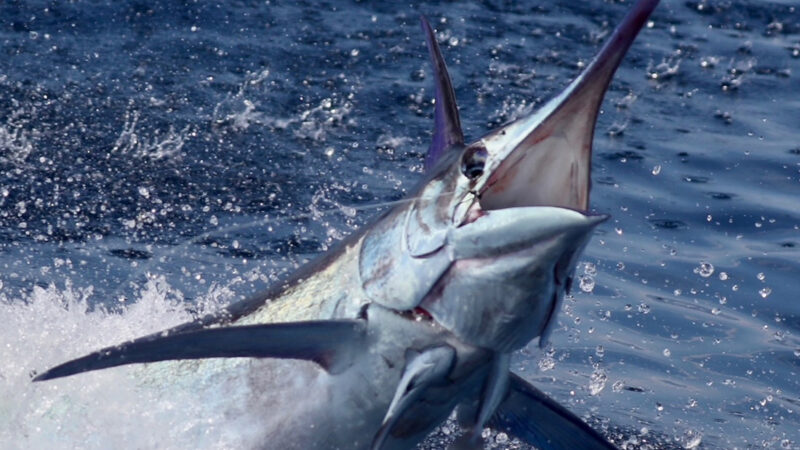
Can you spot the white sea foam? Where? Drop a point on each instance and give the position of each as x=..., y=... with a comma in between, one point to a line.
x=162, y=405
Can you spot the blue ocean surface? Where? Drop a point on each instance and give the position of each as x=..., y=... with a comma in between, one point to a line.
x=161, y=159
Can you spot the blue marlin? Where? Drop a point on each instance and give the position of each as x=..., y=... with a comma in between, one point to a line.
x=417, y=315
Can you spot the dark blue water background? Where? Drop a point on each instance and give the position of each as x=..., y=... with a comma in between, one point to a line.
x=212, y=147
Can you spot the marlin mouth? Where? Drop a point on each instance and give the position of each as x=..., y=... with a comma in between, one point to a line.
x=544, y=159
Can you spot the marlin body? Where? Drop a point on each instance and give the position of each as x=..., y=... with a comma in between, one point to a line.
x=417, y=315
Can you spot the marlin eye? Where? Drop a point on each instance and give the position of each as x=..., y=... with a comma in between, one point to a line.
x=473, y=161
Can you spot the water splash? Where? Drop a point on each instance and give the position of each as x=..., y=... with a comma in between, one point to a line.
x=160, y=146
x=96, y=410
x=16, y=138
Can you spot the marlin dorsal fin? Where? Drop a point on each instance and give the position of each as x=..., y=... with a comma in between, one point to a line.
x=330, y=343
x=446, y=122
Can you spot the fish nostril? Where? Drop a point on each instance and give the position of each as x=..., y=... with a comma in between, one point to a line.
x=473, y=161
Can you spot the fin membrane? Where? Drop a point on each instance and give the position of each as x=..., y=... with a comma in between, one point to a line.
x=330, y=343
x=533, y=417
x=446, y=122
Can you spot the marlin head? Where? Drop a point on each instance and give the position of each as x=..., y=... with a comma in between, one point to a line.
x=493, y=234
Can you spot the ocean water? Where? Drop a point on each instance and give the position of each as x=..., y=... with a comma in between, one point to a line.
x=161, y=159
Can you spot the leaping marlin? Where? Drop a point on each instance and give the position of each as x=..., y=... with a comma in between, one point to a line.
x=418, y=314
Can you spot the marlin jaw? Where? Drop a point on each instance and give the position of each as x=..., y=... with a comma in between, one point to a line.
x=449, y=285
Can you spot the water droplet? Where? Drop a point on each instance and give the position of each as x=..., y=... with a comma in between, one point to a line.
x=501, y=438
x=548, y=361
x=723, y=276
x=656, y=169
x=659, y=407
x=691, y=439
x=705, y=269
x=599, y=351
x=587, y=283
x=618, y=386
x=667, y=353
x=597, y=381
x=764, y=293
x=761, y=276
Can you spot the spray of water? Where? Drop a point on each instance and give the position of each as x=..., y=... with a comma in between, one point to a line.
x=207, y=404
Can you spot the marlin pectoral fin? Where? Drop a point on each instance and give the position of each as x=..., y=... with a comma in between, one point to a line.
x=329, y=343
x=533, y=417
x=422, y=370
x=446, y=122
